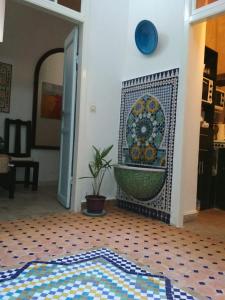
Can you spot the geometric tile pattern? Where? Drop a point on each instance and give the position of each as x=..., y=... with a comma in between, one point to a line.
x=192, y=258
x=5, y=87
x=141, y=209
x=162, y=86
x=145, y=132
x=143, y=184
x=98, y=274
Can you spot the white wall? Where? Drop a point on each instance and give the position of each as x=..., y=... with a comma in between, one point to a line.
x=171, y=53
x=171, y=23
x=29, y=33
x=104, y=51
x=111, y=57
x=2, y=18
x=192, y=116
x=168, y=19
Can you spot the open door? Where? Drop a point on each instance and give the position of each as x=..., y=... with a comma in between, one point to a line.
x=2, y=19
x=68, y=118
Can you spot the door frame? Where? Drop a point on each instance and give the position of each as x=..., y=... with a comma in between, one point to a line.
x=192, y=17
x=2, y=18
x=203, y=13
x=58, y=9
x=80, y=19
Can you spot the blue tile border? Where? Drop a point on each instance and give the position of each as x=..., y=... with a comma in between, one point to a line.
x=145, y=211
x=113, y=258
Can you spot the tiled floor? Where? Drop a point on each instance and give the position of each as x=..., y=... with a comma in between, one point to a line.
x=209, y=223
x=27, y=203
x=183, y=255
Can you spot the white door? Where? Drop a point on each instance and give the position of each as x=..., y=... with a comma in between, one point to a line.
x=68, y=118
x=2, y=19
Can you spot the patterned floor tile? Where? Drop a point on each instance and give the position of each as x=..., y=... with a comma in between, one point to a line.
x=99, y=274
x=193, y=260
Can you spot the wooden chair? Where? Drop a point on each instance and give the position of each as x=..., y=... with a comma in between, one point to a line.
x=18, y=146
x=7, y=175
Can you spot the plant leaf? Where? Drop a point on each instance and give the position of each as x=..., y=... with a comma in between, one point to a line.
x=98, y=167
x=97, y=158
x=91, y=170
x=106, y=151
x=107, y=164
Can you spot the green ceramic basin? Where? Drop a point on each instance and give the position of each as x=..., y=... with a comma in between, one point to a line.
x=140, y=183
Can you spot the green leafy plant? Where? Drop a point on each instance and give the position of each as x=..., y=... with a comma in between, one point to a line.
x=98, y=168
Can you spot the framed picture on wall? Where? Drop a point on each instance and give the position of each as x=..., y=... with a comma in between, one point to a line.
x=5, y=87
x=51, y=101
x=47, y=104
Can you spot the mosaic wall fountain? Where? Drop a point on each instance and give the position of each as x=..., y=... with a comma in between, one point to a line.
x=146, y=144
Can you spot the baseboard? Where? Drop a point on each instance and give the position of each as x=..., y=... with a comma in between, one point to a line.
x=190, y=216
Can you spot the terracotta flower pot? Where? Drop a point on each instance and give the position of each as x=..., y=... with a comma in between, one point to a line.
x=95, y=204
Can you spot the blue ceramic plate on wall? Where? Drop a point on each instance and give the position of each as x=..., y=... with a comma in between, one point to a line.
x=146, y=37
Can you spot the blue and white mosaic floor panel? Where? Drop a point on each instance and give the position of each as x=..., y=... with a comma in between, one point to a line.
x=97, y=274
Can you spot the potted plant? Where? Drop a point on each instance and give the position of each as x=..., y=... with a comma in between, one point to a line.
x=97, y=167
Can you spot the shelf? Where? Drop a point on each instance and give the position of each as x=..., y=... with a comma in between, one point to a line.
x=220, y=81
x=204, y=130
x=219, y=108
x=207, y=103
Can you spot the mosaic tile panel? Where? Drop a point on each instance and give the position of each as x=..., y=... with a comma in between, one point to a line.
x=5, y=86
x=98, y=274
x=145, y=128
x=163, y=87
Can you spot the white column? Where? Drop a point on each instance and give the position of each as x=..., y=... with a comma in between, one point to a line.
x=2, y=19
